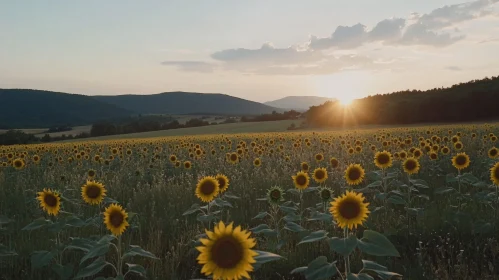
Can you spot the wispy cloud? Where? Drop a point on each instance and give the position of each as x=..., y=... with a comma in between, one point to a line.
x=194, y=66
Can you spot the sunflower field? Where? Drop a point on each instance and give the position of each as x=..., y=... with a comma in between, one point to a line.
x=400, y=203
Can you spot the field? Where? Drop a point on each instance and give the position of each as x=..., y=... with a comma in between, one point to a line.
x=387, y=203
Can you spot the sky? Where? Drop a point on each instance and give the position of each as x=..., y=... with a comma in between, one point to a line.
x=258, y=50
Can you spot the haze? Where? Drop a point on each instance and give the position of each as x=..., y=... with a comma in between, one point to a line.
x=258, y=50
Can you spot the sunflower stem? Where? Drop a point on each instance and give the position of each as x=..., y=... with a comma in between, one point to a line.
x=347, y=258
x=120, y=259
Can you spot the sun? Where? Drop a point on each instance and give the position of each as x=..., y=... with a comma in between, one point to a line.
x=345, y=101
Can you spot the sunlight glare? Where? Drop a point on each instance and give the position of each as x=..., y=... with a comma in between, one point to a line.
x=345, y=101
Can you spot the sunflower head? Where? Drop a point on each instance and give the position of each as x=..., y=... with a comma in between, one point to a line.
x=207, y=188
x=257, y=162
x=411, y=166
x=50, y=201
x=354, y=174
x=349, y=210
x=115, y=219
x=494, y=174
x=493, y=153
x=187, y=164
x=320, y=175
x=334, y=163
x=233, y=158
x=445, y=150
x=93, y=192
x=275, y=195
x=383, y=159
x=433, y=155
x=304, y=166
x=173, y=158
x=18, y=163
x=223, y=182
x=301, y=180
x=458, y=145
x=326, y=194
x=319, y=157
x=461, y=161
x=227, y=253
x=91, y=173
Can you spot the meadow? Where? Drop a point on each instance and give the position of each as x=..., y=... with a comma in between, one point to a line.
x=387, y=203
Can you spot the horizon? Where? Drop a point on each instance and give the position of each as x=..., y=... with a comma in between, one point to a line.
x=330, y=49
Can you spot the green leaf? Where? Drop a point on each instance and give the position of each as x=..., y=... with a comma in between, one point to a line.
x=222, y=203
x=299, y=270
x=450, y=178
x=107, y=200
x=444, y=190
x=395, y=199
x=320, y=269
x=137, y=251
x=83, y=244
x=469, y=178
x=94, y=268
x=379, y=270
x=64, y=272
x=264, y=257
x=375, y=184
x=194, y=208
x=376, y=244
x=261, y=215
x=5, y=252
x=314, y=236
x=206, y=218
x=294, y=227
x=259, y=228
x=41, y=258
x=318, y=216
x=287, y=209
x=269, y=232
x=98, y=250
x=135, y=268
x=37, y=224
x=360, y=276
x=230, y=196
x=343, y=246
x=75, y=222
x=4, y=220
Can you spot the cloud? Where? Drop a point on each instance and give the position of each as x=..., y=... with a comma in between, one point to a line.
x=344, y=37
x=387, y=30
x=453, y=68
x=192, y=66
x=419, y=34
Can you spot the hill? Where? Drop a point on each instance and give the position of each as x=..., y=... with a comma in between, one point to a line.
x=476, y=100
x=187, y=103
x=26, y=108
x=301, y=103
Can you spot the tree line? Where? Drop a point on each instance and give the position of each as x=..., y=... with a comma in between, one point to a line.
x=275, y=116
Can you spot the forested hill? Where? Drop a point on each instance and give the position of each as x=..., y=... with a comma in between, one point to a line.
x=26, y=108
x=187, y=103
x=477, y=100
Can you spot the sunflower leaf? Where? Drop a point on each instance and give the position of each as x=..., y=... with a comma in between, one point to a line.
x=37, y=224
x=81, y=244
x=92, y=269
x=264, y=257
x=379, y=270
x=41, y=258
x=136, y=268
x=4, y=220
x=395, y=199
x=259, y=228
x=98, y=250
x=261, y=215
x=343, y=246
x=75, y=222
x=320, y=269
x=64, y=272
x=314, y=237
x=376, y=244
x=444, y=190
x=222, y=203
x=294, y=227
x=194, y=208
x=137, y=251
x=360, y=276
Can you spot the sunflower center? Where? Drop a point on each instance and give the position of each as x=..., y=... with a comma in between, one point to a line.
x=301, y=180
x=493, y=152
x=319, y=174
x=349, y=209
x=496, y=173
x=233, y=157
x=460, y=160
x=275, y=194
x=433, y=156
x=116, y=218
x=227, y=252
x=50, y=200
x=304, y=167
x=383, y=159
x=18, y=163
x=354, y=174
x=325, y=194
x=207, y=188
x=221, y=183
x=93, y=191
x=410, y=165
x=91, y=173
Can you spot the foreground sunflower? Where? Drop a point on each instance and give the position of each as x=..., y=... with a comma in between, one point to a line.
x=49, y=201
x=115, y=219
x=349, y=210
x=207, y=188
x=93, y=192
x=383, y=159
x=411, y=166
x=301, y=180
x=461, y=161
x=226, y=253
x=354, y=174
x=320, y=175
x=494, y=174
x=223, y=182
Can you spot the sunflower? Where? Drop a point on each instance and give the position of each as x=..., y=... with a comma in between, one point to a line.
x=334, y=163
x=226, y=253
x=275, y=195
x=304, y=166
x=320, y=175
x=257, y=162
x=493, y=153
x=417, y=153
x=461, y=161
x=207, y=188
x=91, y=173
x=349, y=210
x=223, y=182
x=403, y=154
x=383, y=159
x=233, y=158
x=187, y=164
x=433, y=156
x=173, y=158
x=49, y=201
x=411, y=166
x=36, y=159
x=445, y=150
x=93, y=192
x=319, y=157
x=326, y=194
x=18, y=164
x=115, y=219
x=494, y=174
x=458, y=145
x=301, y=180
x=354, y=174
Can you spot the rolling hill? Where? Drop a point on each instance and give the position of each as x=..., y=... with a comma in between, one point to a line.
x=301, y=103
x=26, y=108
x=180, y=103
